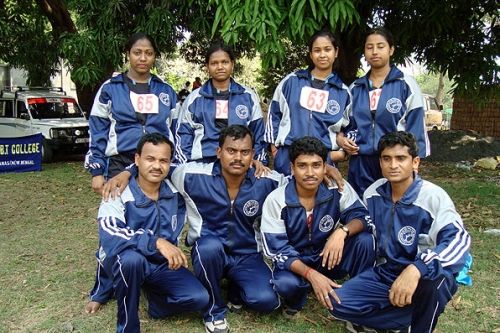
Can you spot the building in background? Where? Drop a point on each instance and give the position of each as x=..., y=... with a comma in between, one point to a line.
x=15, y=77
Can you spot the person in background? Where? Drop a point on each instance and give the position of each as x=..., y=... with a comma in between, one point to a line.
x=383, y=101
x=197, y=83
x=184, y=92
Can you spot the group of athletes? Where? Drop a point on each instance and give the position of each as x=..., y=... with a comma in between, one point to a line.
x=204, y=162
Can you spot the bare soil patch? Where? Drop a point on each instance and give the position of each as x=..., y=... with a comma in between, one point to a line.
x=457, y=145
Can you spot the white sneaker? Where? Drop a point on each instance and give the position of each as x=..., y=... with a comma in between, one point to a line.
x=217, y=326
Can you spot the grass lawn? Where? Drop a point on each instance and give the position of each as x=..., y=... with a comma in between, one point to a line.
x=49, y=235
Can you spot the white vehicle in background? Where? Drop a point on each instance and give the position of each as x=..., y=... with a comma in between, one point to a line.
x=49, y=111
x=433, y=114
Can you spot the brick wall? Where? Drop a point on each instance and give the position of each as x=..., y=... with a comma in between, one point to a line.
x=482, y=117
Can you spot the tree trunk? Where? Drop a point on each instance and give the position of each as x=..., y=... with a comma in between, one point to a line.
x=348, y=61
x=60, y=19
x=85, y=96
x=440, y=90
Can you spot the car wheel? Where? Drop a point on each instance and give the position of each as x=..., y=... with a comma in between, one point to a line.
x=47, y=152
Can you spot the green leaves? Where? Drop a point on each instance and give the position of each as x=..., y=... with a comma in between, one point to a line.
x=268, y=22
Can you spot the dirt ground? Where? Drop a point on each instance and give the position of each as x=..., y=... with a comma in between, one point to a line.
x=455, y=146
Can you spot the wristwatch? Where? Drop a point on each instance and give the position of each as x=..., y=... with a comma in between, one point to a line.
x=345, y=229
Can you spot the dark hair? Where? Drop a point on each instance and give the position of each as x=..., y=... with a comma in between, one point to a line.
x=382, y=32
x=307, y=145
x=187, y=83
x=236, y=132
x=156, y=139
x=219, y=47
x=138, y=36
x=405, y=139
x=321, y=33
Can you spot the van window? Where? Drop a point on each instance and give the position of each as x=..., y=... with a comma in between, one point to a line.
x=54, y=107
x=433, y=104
x=21, y=108
x=6, y=108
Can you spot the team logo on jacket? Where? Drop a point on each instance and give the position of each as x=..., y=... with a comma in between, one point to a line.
x=326, y=223
x=332, y=107
x=242, y=111
x=251, y=207
x=164, y=99
x=393, y=105
x=406, y=235
x=174, y=222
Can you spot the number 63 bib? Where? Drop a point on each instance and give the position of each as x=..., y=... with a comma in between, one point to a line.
x=314, y=99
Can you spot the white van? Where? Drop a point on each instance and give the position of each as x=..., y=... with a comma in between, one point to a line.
x=433, y=113
x=49, y=111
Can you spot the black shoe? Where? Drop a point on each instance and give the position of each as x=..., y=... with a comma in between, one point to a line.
x=290, y=313
x=234, y=308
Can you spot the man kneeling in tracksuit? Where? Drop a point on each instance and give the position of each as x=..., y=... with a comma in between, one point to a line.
x=138, y=233
x=314, y=233
x=421, y=246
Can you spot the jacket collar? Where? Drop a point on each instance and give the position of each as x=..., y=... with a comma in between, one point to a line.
x=120, y=78
x=207, y=89
x=292, y=198
x=394, y=74
x=411, y=194
x=333, y=79
x=141, y=200
x=217, y=171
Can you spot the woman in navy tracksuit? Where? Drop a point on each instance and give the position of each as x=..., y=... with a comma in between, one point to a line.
x=217, y=104
x=125, y=107
x=309, y=102
x=383, y=101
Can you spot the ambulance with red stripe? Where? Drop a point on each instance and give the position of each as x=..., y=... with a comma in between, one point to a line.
x=49, y=111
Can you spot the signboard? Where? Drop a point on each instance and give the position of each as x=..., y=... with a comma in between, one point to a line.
x=21, y=154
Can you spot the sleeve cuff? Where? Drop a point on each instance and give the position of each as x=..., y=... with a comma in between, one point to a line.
x=289, y=262
x=152, y=244
x=422, y=267
x=96, y=172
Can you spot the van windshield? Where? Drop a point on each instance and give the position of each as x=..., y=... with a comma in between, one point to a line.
x=54, y=107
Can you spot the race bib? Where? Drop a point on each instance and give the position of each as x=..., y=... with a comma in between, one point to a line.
x=144, y=103
x=314, y=99
x=221, y=109
x=374, y=98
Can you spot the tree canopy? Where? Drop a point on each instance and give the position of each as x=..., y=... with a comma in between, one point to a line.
x=458, y=37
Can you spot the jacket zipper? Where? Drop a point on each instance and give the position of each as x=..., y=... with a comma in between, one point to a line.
x=157, y=231
x=317, y=204
x=373, y=130
x=389, y=229
x=309, y=125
